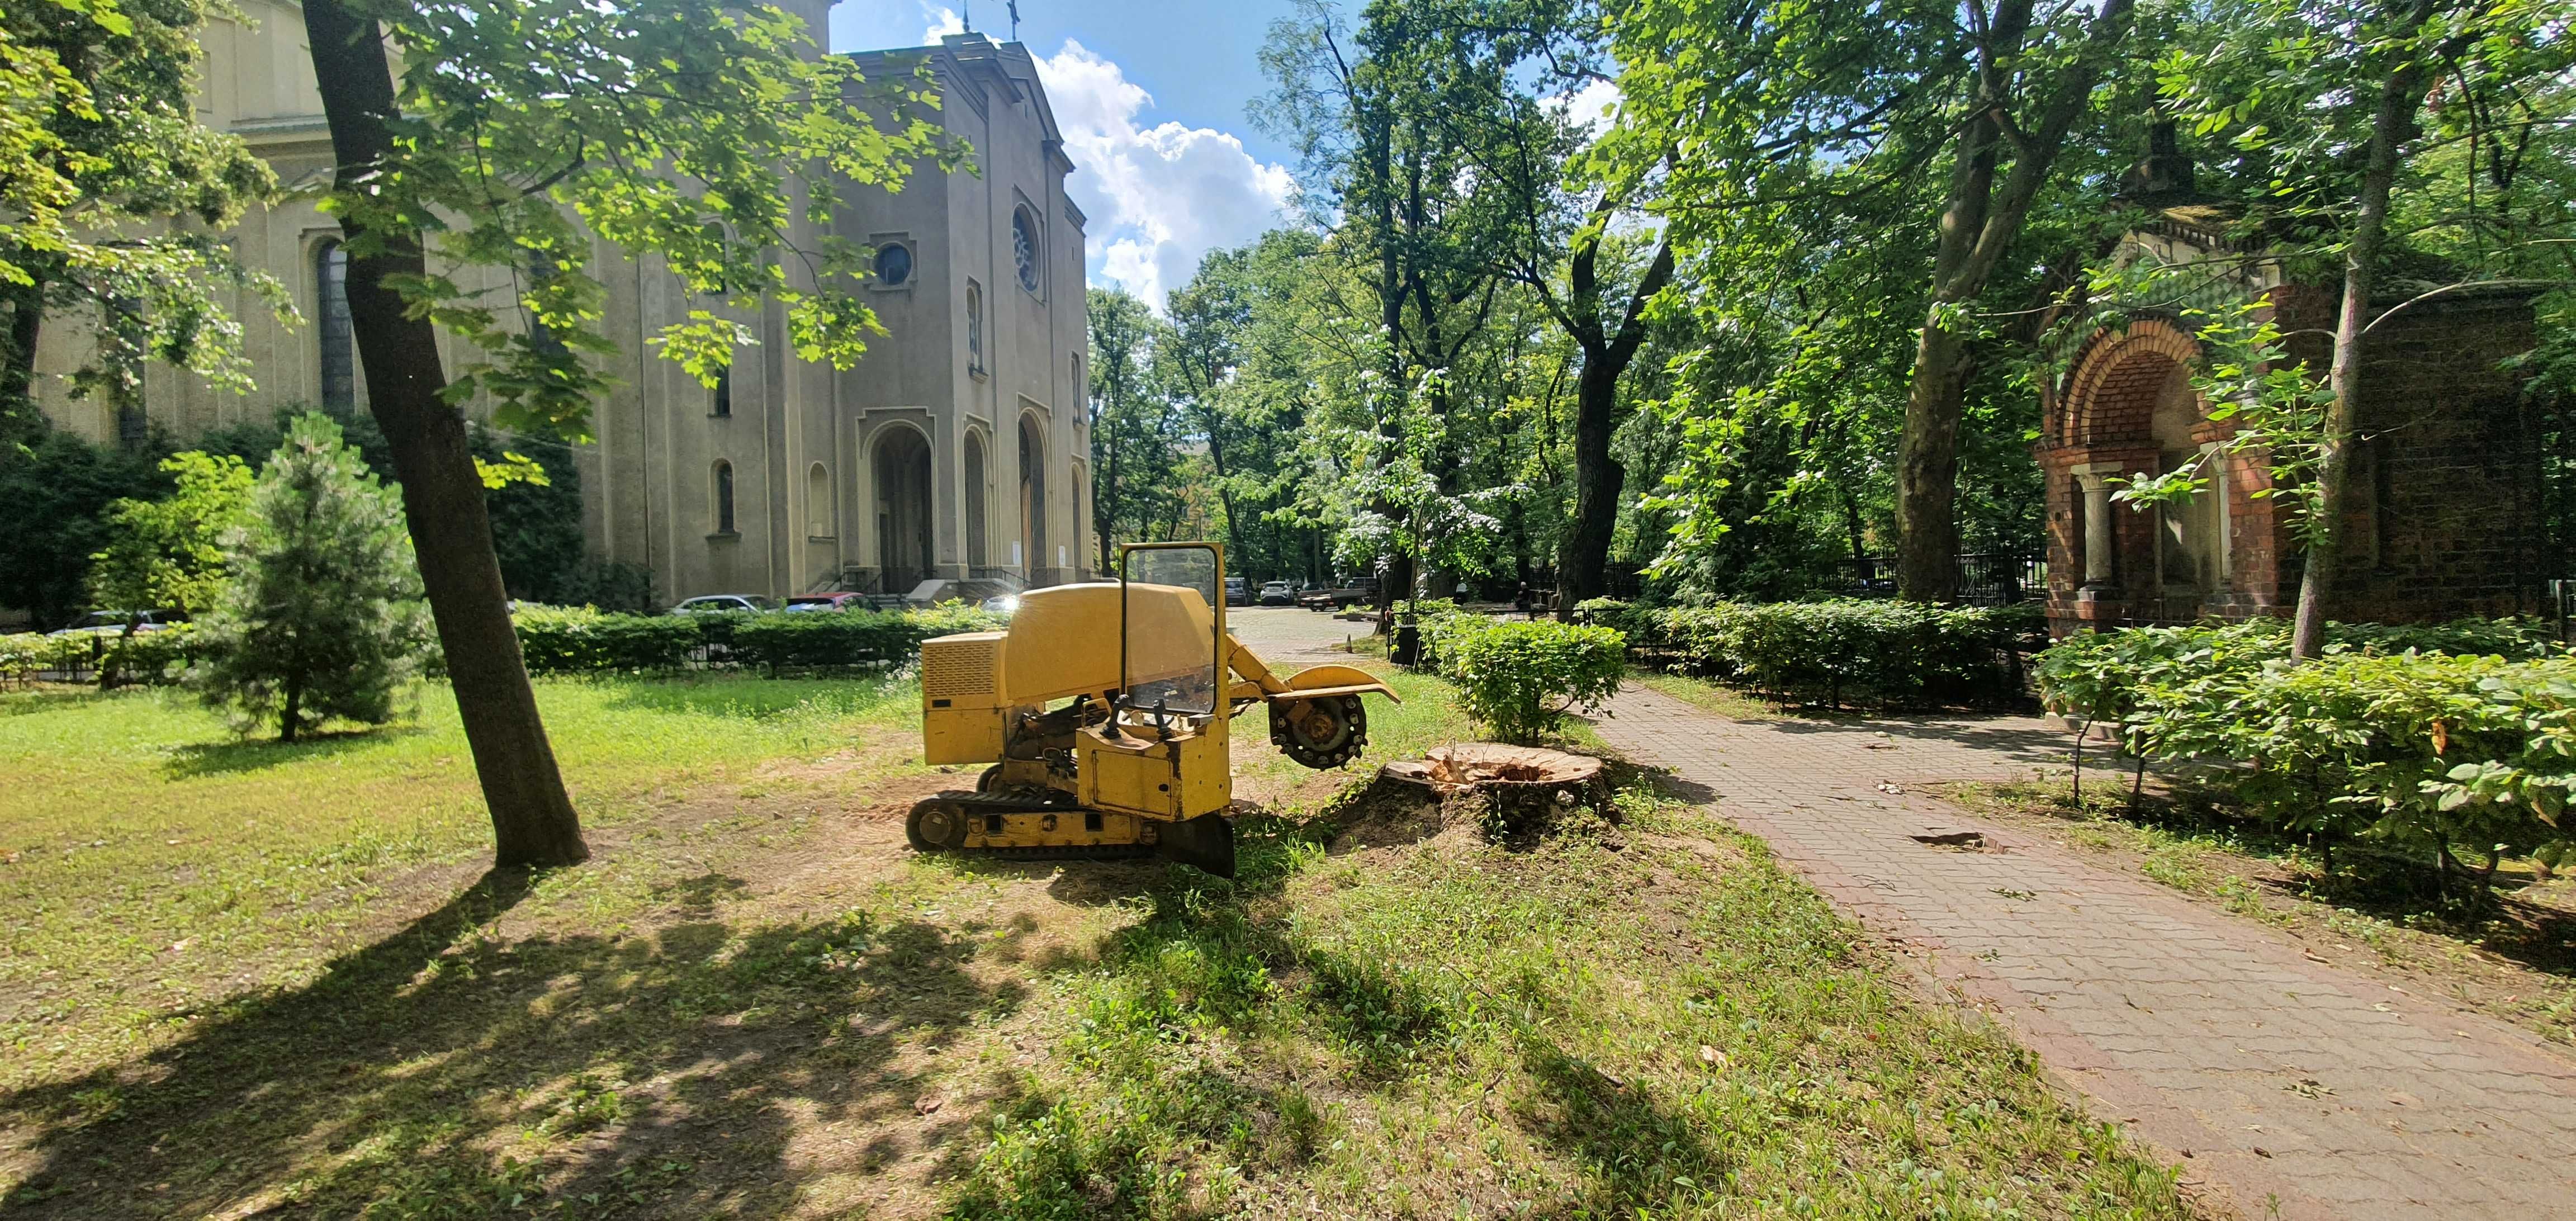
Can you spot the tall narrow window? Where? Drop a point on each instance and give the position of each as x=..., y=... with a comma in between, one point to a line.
x=722, y=404
x=978, y=553
x=331, y=326
x=818, y=502
x=723, y=491
x=974, y=326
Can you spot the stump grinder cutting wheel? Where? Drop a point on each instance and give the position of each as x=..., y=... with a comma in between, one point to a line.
x=1104, y=712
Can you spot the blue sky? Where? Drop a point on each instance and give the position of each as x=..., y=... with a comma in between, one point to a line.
x=1152, y=96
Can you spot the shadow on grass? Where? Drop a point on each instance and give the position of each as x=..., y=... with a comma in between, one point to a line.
x=440, y=1072
x=254, y=755
x=1641, y=1150
x=32, y=700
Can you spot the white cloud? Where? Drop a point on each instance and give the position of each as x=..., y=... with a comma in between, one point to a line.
x=1158, y=198
x=943, y=20
x=1592, y=106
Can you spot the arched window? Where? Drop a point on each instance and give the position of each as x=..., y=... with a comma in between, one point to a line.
x=721, y=493
x=818, y=502
x=721, y=405
x=331, y=326
x=1024, y=247
x=974, y=326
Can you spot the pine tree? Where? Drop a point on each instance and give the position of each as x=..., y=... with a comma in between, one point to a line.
x=323, y=617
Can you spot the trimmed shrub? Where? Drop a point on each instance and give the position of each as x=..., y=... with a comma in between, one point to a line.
x=1889, y=653
x=2106, y=676
x=580, y=640
x=1519, y=678
x=2434, y=753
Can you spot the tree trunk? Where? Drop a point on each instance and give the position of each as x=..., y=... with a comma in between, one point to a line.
x=294, y=709
x=1927, y=469
x=533, y=823
x=1980, y=219
x=1598, y=478
x=1598, y=481
x=18, y=411
x=2390, y=125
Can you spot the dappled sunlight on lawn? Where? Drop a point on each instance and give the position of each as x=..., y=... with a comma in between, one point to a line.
x=156, y=860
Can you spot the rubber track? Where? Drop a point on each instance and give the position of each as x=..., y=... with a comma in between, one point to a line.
x=994, y=803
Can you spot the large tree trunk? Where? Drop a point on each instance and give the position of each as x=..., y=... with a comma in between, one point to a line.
x=1980, y=219
x=1598, y=481
x=1927, y=468
x=2391, y=123
x=18, y=412
x=1598, y=478
x=532, y=819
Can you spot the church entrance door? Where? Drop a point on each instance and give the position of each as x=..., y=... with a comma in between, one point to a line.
x=904, y=551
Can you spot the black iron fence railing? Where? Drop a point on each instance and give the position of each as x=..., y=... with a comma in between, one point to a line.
x=1995, y=578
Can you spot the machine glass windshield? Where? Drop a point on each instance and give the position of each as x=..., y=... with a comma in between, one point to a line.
x=1169, y=596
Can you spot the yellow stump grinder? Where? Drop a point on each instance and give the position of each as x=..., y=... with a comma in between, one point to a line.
x=1103, y=712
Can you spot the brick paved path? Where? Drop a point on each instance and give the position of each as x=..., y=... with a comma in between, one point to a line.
x=2214, y=1037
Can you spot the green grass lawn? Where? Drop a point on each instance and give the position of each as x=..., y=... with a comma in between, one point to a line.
x=756, y=1002
x=153, y=859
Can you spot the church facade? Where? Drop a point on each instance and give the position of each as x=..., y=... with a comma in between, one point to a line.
x=952, y=460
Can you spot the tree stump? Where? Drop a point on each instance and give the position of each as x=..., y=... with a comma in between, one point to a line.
x=1523, y=787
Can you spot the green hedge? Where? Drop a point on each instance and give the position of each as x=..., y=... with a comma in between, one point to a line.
x=559, y=640
x=1519, y=678
x=2103, y=676
x=2435, y=740
x=580, y=640
x=1896, y=654
x=146, y=657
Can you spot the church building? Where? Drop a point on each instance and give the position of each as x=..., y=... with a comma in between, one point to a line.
x=951, y=461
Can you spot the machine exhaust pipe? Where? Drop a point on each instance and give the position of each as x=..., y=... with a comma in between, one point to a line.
x=1205, y=842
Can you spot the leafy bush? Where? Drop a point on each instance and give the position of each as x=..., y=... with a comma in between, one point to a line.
x=1890, y=653
x=24, y=655
x=2427, y=739
x=581, y=640
x=821, y=640
x=559, y=640
x=2105, y=676
x=1520, y=678
x=1698, y=640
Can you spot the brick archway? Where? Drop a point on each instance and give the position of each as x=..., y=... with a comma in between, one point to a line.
x=2110, y=396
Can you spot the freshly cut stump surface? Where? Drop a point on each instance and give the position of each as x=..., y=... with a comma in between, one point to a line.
x=1527, y=785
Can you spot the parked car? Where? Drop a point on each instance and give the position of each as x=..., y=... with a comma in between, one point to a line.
x=828, y=602
x=716, y=604
x=112, y=623
x=1238, y=592
x=1278, y=593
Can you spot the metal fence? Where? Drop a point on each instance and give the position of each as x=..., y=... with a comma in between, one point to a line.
x=1985, y=578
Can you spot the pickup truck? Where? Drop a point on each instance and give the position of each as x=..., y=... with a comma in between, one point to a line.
x=1357, y=593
